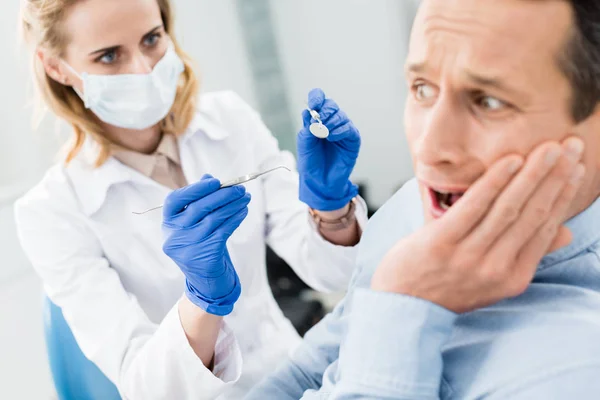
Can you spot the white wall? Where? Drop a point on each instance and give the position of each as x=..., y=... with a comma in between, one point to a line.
x=23, y=155
x=354, y=50
x=210, y=33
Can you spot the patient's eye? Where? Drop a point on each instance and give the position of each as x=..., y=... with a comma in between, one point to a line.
x=423, y=91
x=490, y=103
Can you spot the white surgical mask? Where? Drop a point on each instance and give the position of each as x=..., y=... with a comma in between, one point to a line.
x=133, y=101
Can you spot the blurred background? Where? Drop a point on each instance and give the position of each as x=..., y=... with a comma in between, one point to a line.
x=271, y=52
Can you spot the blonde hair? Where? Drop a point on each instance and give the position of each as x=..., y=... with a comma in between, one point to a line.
x=41, y=28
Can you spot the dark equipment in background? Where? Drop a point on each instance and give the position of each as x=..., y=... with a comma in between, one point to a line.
x=287, y=287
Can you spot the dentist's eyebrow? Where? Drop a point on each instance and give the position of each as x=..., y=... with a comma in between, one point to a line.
x=118, y=46
x=105, y=50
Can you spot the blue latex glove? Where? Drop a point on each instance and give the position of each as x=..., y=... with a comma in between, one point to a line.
x=197, y=221
x=325, y=165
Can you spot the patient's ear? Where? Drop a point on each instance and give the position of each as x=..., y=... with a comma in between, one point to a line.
x=587, y=126
x=591, y=122
x=589, y=131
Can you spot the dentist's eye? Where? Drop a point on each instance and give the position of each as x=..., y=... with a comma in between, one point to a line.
x=152, y=40
x=108, y=58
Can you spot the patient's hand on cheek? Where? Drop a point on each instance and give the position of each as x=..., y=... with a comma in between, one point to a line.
x=488, y=245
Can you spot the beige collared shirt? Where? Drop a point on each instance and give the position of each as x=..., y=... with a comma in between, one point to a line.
x=162, y=166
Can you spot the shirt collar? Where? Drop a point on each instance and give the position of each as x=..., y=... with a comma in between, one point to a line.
x=585, y=228
x=92, y=183
x=169, y=148
x=145, y=163
x=206, y=124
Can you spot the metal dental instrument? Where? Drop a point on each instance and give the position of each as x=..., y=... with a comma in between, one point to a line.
x=250, y=177
x=237, y=181
x=318, y=129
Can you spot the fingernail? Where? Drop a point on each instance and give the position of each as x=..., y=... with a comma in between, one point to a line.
x=552, y=156
x=515, y=165
x=574, y=149
x=577, y=174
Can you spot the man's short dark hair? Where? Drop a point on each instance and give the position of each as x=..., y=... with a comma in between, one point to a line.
x=580, y=61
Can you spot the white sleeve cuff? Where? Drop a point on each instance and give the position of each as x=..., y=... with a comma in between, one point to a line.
x=228, y=356
x=227, y=360
x=361, y=212
x=166, y=366
x=362, y=218
x=333, y=265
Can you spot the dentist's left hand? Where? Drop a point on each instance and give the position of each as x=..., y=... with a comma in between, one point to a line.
x=325, y=165
x=197, y=222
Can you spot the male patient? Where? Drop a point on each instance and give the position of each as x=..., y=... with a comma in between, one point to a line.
x=492, y=295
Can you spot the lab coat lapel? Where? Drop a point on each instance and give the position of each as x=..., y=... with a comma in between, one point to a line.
x=93, y=183
x=207, y=148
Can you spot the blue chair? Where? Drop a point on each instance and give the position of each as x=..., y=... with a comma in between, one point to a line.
x=75, y=377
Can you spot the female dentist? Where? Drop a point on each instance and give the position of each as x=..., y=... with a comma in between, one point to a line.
x=150, y=298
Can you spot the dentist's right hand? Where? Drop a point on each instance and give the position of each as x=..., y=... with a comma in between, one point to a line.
x=197, y=222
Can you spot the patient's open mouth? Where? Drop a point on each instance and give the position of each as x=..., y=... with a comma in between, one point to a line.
x=441, y=201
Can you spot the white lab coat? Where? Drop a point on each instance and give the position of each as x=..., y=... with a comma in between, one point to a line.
x=105, y=267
